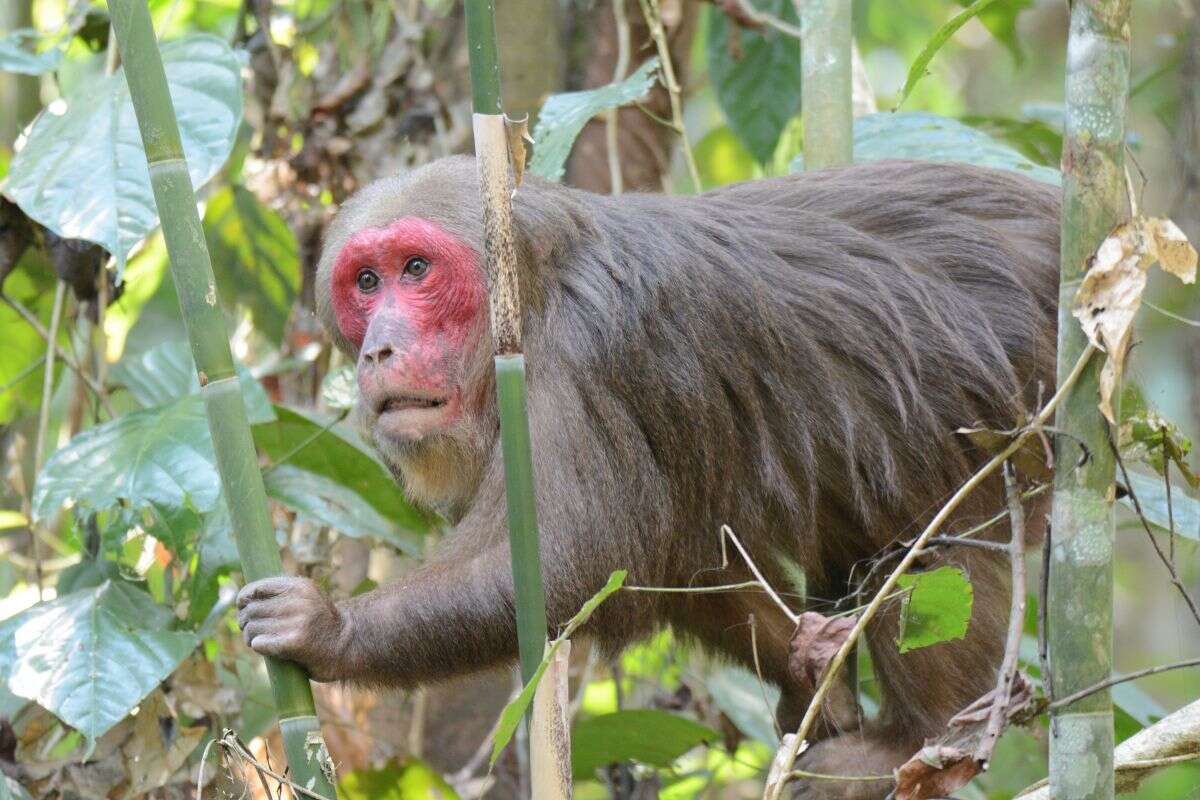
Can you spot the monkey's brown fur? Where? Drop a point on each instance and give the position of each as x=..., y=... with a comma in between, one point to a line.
x=789, y=357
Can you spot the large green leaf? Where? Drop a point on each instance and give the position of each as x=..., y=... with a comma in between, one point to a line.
x=564, y=115
x=923, y=136
x=83, y=173
x=167, y=372
x=16, y=54
x=255, y=258
x=309, y=446
x=159, y=456
x=335, y=505
x=649, y=737
x=937, y=607
x=757, y=81
x=1152, y=496
x=90, y=656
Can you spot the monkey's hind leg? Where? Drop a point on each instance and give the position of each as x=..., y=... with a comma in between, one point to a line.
x=921, y=689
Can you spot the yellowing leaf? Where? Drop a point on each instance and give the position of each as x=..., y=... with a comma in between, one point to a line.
x=1111, y=293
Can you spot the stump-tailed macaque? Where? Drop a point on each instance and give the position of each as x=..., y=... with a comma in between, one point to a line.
x=789, y=357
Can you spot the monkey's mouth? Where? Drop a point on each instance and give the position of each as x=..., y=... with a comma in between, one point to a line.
x=408, y=403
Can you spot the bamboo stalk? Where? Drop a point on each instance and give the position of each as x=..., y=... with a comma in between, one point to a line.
x=825, y=80
x=1080, y=602
x=495, y=178
x=236, y=460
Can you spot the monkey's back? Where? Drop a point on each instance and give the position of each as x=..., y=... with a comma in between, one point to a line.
x=800, y=350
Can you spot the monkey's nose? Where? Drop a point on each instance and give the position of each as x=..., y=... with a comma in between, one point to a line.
x=377, y=355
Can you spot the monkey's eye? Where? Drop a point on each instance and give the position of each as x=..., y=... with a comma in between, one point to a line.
x=416, y=266
x=368, y=281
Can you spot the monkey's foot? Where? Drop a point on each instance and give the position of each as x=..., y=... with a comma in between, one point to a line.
x=855, y=768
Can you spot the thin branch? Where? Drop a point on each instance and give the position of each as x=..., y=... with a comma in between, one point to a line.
x=954, y=541
x=43, y=426
x=726, y=531
x=1114, y=680
x=1137, y=507
x=725, y=587
x=22, y=375
x=615, y=179
x=762, y=685
x=1042, y=616
x=653, y=17
x=32, y=320
x=774, y=791
x=1016, y=624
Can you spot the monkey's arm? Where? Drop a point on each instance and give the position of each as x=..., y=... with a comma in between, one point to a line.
x=452, y=615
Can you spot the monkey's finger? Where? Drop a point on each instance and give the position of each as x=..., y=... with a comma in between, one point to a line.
x=264, y=589
x=277, y=645
x=275, y=608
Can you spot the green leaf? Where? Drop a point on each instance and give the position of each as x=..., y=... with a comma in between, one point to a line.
x=759, y=90
x=1152, y=495
x=512, y=713
x=157, y=457
x=410, y=779
x=255, y=258
x=563, y=116
x=649, y=737
x=936, y=609
x=90, y=656
x=1001, y=21
x=942, y=35
x=17, y=56
x=721, y=159
x=928, y=137
x=309, y=446
x=167, y=372
x=83, y=173
x=21, y=371
x=332, y=504
x=1034, y=139
x=746, y=700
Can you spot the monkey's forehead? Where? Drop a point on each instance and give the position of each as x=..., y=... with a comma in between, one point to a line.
x=401, y=239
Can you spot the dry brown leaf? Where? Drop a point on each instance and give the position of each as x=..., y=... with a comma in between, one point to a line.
x=1020, y=697
x=1111, y=292
x=935, y=771
x=814, y=644
x=517, y=133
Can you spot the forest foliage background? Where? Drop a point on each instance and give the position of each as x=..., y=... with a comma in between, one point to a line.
x=114, y=544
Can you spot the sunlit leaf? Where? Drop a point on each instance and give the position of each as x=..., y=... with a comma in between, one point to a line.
x=255, y=258
x=937, y=607
x=18, y=54
x=756, y=75
x=21, y=372
x=746, y=700
x=410, y=779
x=1152, y=496
x=722, y=159
x=929, y=137
x=564, y=115
x=83, y=173
x=643, y=735
x=89, y=657
x=942, y=35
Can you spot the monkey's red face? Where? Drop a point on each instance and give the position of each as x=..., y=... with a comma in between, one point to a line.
x=409, y=296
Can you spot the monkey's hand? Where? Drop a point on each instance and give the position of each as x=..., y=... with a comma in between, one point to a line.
x=290, y=618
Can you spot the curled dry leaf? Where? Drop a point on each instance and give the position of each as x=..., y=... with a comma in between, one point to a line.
x=935, y=771
x=1111, y=293
x=1020, y=699
x=517, y=133
x=814, y=644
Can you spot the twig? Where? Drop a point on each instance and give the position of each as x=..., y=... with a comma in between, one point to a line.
x=954, y=541
x=724, y=587
x=1042, y=616
x=1170, y=504
x=653, y=17
x=775, y=791
x=43, y=427
x=762, y=685
x=615, y=179
x=22, y=375
x=1137, y=507
x=32, y=320
x=1114, y=680
x=231, y=744
x=726, y=531
x=1016, y=624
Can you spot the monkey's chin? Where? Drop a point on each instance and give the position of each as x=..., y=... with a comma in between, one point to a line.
x=411, y=425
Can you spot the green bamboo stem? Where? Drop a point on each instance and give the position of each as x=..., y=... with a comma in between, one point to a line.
x=1080, y=603
x=236, y=460
x=495, y=179
x=825, y=81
